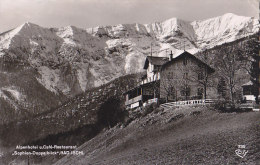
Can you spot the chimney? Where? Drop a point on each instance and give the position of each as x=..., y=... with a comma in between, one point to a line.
x=170, y=56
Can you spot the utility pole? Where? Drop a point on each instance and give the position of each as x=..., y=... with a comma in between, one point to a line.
x=151, y=49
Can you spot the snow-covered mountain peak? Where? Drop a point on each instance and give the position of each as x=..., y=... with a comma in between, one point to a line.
x=170, y=25
x=25, y=35
x=174, y=23
x=229, y=15
x=29, y=24
x=27, y=28
x=234, y=17
x=225, y=28
x=173, y=31
x=74, y=36
x=5, y=38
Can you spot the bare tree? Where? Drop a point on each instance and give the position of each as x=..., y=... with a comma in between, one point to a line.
x=252, y=50
x=169, y=85
x=205, y=80
x=221, y=87
x=228, y=63
x=185, y=87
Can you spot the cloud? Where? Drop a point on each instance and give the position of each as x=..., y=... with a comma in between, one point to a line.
x=89, y=13
x=254, y=4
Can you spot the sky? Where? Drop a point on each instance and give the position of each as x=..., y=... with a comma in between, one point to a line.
x=92, y=13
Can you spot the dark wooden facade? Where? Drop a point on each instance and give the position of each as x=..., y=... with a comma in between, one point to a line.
x=171, y=79
x=181, y=78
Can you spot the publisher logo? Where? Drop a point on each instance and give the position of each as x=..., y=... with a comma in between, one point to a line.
x=241, y=151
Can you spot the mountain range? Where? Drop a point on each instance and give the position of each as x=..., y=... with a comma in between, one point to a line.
x=42, y=67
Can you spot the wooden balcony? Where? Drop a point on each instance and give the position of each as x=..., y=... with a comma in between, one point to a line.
x=133, y=100
x=150, y=79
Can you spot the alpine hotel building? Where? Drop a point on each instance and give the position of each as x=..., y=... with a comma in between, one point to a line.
x=184, y=77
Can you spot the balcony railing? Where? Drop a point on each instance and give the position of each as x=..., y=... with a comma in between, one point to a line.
x=154, y=100
x=155, y=77
x=133, y=100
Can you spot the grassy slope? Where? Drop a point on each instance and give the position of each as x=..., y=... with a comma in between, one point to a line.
x=207, y=138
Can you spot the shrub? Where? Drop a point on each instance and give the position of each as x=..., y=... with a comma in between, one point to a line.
x=158, y=109
x=111, y=112
x=226, y=106
x=195, y=113
x=219, y=104
x=175, y=118
x=149, y=108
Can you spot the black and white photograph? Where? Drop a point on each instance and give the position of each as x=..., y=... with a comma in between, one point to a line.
x=129, y=82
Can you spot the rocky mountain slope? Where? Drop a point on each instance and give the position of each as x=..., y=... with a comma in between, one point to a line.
x=74, y=122
x=42, y=67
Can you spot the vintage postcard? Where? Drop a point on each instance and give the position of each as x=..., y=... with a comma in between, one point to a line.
x=129, y=82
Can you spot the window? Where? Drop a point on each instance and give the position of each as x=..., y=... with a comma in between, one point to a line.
x=247, y=90
x=185, y=91
x=156, y=68
x=185, y=75
x=171, y=93
x=151, y=68
x=188, y=91
x=200, y=76
x=139, y=91
x=200, y=93
x=185, y=61
x=170, y=75
x=222, y=87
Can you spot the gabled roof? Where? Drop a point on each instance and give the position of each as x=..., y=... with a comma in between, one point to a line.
x=155, y=61
x=248, y=84
x=132, y=89
x=187, y=54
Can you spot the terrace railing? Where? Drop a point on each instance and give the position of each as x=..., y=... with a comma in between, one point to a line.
x=187, y=102
x=133, y=100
